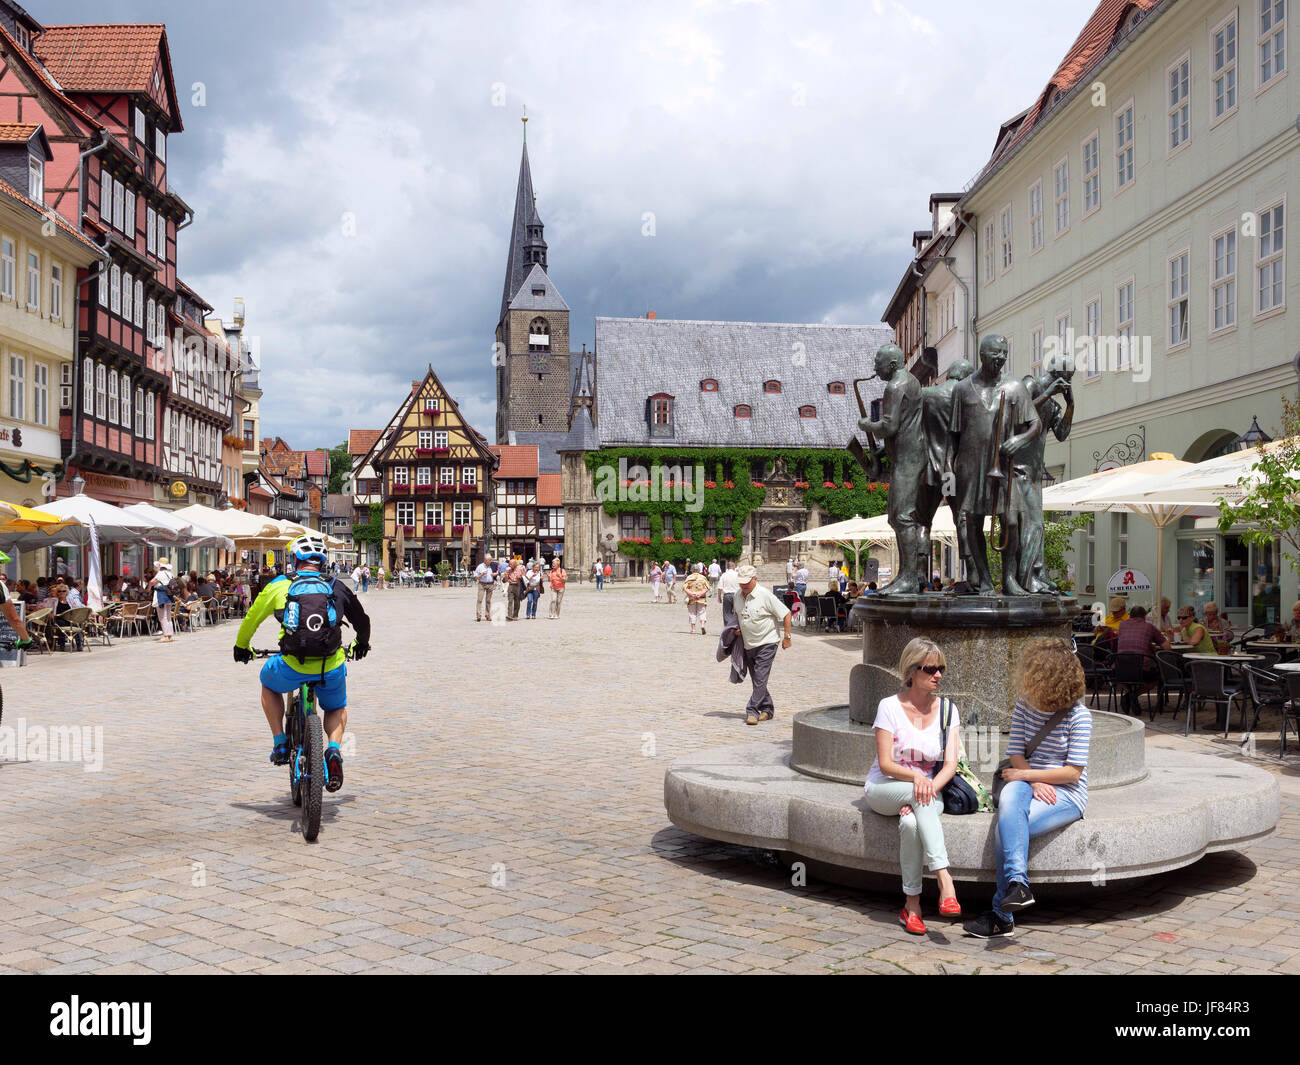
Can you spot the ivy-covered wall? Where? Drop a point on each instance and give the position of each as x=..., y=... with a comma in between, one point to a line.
x=835, y=482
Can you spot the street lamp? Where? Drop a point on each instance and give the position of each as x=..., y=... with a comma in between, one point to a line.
x=77, y=484
x=1251, y=437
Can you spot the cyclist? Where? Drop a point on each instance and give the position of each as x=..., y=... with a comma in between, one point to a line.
x=285, y=672
x=10, y=613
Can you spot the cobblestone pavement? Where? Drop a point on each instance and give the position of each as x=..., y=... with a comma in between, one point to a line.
x=503, y=811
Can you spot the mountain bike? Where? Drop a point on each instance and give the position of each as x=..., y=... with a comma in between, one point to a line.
x=306, y=736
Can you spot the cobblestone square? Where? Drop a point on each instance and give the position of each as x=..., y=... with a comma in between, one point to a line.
x=503, y=812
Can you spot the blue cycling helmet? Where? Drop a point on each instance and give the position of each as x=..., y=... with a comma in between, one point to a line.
x=308, y=548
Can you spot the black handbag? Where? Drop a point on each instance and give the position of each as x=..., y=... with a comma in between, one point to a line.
x=1030, y=748
x=958, y=796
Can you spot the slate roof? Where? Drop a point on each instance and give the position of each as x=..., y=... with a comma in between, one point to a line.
x=581, y=437
x=639, y=357
x=524, y=299
x=517, y=461
x=525, y=215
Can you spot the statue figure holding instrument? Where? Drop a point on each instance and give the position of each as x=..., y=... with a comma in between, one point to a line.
x=1054, y=380
x=993, y=420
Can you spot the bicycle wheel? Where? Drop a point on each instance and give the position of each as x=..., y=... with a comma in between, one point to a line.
x=294, y=722
x=314, y=776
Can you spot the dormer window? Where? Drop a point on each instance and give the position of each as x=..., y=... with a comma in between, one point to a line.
x=659, y=413
x=808, y=412
x=772, y=388
x=708, y=385
x=835, y=388
x=743, y=411
x=24, y=38
x=36, y=178
x=539, y=335
x=539, y=290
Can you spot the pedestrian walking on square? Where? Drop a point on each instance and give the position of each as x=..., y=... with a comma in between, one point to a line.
x=715, y=571
x=728, y=589
x=162, y=600
x=670, y=581
x=696, y=587
x=598, y=575
x=801, y=580
x=760, y=613
x=558, y=579
x=656, y=575
x=533, y=587
x=382, y=581
x=1047, y=783
x=485, y=579
x=514, y=575
x=902, y=781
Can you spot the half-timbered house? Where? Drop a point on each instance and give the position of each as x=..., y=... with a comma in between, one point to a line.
x=435, y=468
x=514, y=493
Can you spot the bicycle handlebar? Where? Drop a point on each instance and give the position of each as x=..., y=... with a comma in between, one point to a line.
x=263, y=652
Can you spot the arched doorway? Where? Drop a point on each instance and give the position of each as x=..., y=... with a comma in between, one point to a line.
x=1209, y=445
x=774, y=550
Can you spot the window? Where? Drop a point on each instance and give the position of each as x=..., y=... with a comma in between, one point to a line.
x=1121, y=539
x=1036, y=215
x=1091, y=174
x=835, y=388
x=126, y=402
x=432, y=513
x=112, y=397
x=18, y=387
x=149, y=423
x=1223, y=66
x=1124, y=147
x=446, y=474
x=160, y=145
x=989, y=259
x=106, y=198
x=56, y=291
x=139, y=412
x=40, y=393
x=128, y=303
x=65, y=386
x=463, y=514
x=1272, y=40
x=36, y=178
x=150, y=331
x=424, y=438
x=423, y=475
x=406, y=513
x=1092, y=326
x=469, y=475
x=87, y=387
x=8, y=267
x=1180, y=109
x=119, y=205
x=1035, y=352
x=539, y=335
x=440, y=438
x=661, y=410
x=1006, y=238
x=115, y=288
x=150, y=223
x=1061, y=195
x=128, y=222
x=1223, y=281
x=772, y=388
x=1064, y=338
x=1124, y=321
x=33, y=281
x=1090, y=554
x=808, y=412
x=160, y=333
x=1179, y=266
x=140, y=128
x=139, y=304
x=633, y=525
x=101, y=390
x=743, y=411
x=708, y=385
x=1270, y=262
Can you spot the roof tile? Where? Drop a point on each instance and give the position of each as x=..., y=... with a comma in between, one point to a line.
x=517, y=460
x=99, y=58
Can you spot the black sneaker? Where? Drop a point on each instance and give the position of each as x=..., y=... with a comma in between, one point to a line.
x=334, y=769
x=989, y=926
x=1017, y=897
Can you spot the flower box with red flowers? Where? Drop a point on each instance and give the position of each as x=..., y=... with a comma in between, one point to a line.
x=728, y=539
x=431, y=406
x=424, y=451
x=467, y=486
x=456, y=530
x=728, y=484
x=757, y=484
x=710, y=484
x=644, y=541
x=848, y=485
x=687, y=540
x=828, y=484
x=710, y=539
x=424, y=488
x=433, y=530
x=442, y=451
x=669, y=540
x=401, y=488
x=409, y=530
x=446, y=488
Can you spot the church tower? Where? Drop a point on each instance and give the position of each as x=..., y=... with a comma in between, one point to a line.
x=534, y=384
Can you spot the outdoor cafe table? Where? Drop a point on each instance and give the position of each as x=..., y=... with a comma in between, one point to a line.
x=1288, y=667
x=1226, y=658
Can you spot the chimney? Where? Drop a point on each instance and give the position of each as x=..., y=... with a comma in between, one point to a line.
x=650, y=314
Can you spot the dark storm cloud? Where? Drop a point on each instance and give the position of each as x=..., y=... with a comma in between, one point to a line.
x=353, y=179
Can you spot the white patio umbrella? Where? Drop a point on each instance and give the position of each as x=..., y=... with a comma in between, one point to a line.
x=856, y=533
x=236, y=524
x=193, y=534
x=114, y=525
x=1228, y=477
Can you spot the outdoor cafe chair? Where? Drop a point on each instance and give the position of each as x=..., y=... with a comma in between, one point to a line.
x=812, y=616
x=37, y=622
x=1292, y=708
x=1210, y=684
x=830, y=612
x=128, y=617
x=1172, y=678
x=1128, y=674
x=71, y=625
x=1266, y=689
x=1097, y=673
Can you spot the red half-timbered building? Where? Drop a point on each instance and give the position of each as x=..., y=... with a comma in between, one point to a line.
x=106, y=101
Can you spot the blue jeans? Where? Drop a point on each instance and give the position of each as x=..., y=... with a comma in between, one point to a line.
x=600, y=581
x=533, y=596
x=1021, y=817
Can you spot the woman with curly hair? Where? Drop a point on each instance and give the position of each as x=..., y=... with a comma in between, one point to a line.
x=1047, y=784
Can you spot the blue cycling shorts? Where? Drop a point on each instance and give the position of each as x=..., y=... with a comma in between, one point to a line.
x=331, y=693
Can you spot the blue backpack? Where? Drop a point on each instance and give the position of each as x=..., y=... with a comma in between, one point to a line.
x=311, y=619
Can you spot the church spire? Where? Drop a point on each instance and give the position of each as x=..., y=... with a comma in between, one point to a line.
x=527, y=245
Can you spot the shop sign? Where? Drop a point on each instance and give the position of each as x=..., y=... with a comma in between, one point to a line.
x=1124, y=581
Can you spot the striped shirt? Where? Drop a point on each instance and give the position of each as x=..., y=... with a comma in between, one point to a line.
x=1067, y=744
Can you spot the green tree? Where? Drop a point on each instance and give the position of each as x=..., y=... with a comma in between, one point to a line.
x=340, y=466
x=1270, y=513
x=373, y=530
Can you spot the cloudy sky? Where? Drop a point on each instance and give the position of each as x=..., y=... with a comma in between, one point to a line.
x=781, y=153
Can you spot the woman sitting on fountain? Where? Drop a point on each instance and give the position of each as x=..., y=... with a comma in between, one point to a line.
x=907, y=751
x=1048, y=788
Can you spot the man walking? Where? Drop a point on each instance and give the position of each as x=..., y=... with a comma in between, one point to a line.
x=558, y=580
x=670, y=580
x=598, y=572
x=485, y=578
x=728, y=589
x=514, y=575
x=715, y=571
x=760, y=613
x=801, y=580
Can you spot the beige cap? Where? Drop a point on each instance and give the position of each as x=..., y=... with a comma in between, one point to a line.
x=746, y=574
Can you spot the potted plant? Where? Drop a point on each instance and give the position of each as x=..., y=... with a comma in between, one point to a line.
x=444, y=573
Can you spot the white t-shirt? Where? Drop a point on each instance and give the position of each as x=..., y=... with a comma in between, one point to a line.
x=913, y=748
x=356, y=574
x=484, y=573
x=801, y=575
x=715, y=571
x=729, y=582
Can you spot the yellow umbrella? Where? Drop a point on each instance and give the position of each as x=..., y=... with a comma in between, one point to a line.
x=15, y=518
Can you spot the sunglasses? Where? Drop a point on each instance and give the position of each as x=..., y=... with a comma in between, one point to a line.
x=931, y=670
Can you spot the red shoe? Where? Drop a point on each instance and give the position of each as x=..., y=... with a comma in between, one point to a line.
x=911, y=922
x=950, y=907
